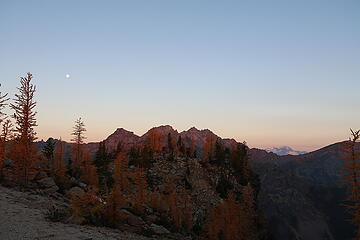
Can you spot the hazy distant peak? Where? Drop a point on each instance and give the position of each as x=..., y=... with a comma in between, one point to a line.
x=284, y=150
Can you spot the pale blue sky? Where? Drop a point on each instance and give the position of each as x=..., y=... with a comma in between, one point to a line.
x=268, y=72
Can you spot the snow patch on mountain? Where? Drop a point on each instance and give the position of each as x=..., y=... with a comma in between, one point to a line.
x=284, y=150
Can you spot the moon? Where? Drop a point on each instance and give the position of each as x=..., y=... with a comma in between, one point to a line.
x=67, y=76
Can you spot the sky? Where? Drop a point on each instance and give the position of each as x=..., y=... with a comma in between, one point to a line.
x=270, y=73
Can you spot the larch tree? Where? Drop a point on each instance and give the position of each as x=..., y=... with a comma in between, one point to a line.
x=7, y=130
x=247, y=225
x=233, y=220
x=88, y=170
x=141, y=190
x=3, y=100
x=59, y=168
x=120, y=174
x=116, y=199
x=25, y=153
x=209, y=147
x=78, y=134
x=6, y=136
x=170, y=147
x=154, y=138
x=352, y=178
x=87, y=205
x=174, y=209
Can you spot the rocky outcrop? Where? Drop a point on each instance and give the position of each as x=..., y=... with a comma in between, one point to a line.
x=48, y=185
x=75, y=192
x=159, y=230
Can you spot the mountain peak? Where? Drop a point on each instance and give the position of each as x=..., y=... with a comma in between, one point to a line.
x=121, y=131
x=163, y=129
x=284, y=150
x=193, y=129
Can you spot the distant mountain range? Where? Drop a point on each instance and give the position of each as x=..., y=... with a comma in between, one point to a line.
x=284, y=150
x=128, y=139
x=301, y=193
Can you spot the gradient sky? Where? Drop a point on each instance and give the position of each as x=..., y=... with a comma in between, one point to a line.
x=271, y=73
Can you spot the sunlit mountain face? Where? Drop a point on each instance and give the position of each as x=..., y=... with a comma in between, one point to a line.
x=284, y=150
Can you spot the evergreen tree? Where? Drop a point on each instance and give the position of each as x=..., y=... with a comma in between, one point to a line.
x=60, y=171
x=101, y=162
x=170, y=147
x=48, y=152
x=78, y=141
x=180, y=146
x=219, y=152
x=134, y=156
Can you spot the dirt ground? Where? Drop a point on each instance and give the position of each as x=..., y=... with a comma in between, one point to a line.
x=22, y=216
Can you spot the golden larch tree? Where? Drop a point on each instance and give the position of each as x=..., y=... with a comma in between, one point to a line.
x=232, y=220
x=209, y=147
x=3, y=100
x=116, y=200
x=87, y=205
x=88, y=170
x=24, y=153
x=247, y=225
x=154, y=139
x=351, y=178
x=141, y=193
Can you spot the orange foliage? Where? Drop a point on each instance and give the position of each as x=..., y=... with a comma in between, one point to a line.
x=24, y=153
x=209, y=147
x=88, y=170
x=116, y=200
x=120, y=174
x=352, y=178
x=158, y=202
x=175, y=204
x=154, y=140
x=87, y=205
x=232, y=220
x=2, y=157
x=141, y=190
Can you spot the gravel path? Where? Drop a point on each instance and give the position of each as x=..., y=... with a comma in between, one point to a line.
x=22, y=217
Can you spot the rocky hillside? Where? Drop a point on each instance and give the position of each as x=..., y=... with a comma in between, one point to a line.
x=302, y=195
x=165, y=184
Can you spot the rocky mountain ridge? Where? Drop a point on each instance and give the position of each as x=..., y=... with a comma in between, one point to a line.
x=301, y=195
